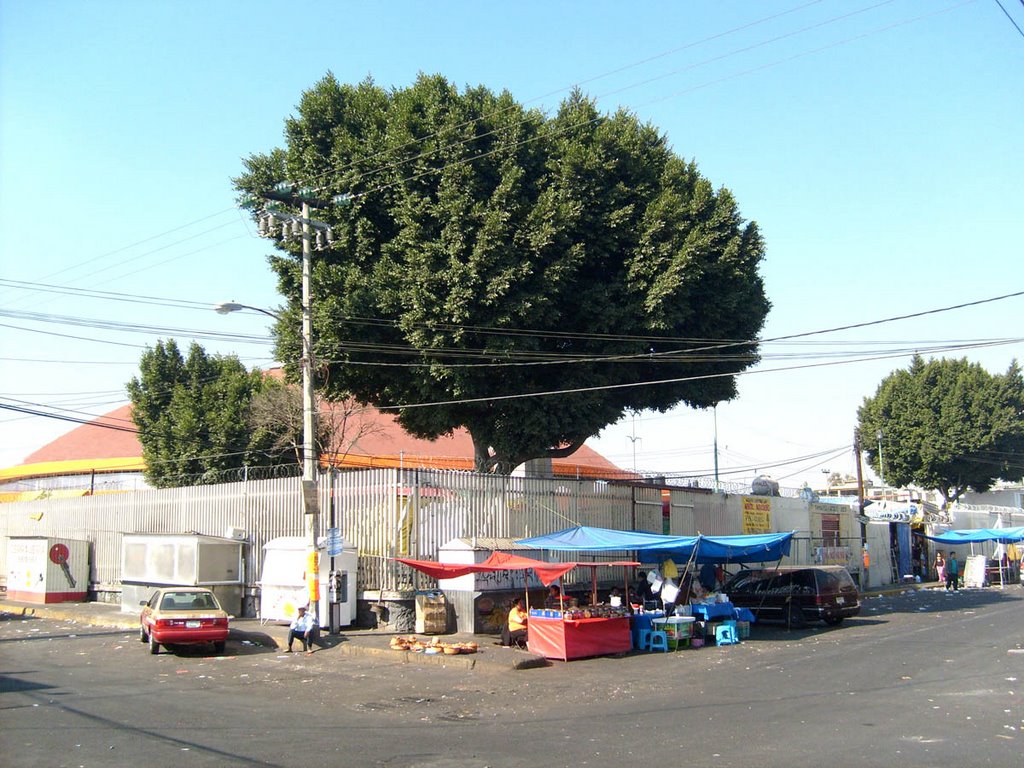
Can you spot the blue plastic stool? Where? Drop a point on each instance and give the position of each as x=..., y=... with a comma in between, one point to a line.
x=643, y=639
x=658, y=641
x=726, y=635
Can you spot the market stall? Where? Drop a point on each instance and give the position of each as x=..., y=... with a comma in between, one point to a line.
x=1004, y=537
x=574, y=637
x=568, y=632
x=706, y=612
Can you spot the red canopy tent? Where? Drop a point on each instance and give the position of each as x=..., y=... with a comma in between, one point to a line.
x=548, y=573
x=555, y=638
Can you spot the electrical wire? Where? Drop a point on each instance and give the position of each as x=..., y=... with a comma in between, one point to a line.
x=1007, y=13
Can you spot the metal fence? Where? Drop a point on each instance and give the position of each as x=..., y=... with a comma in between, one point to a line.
x=384, y=513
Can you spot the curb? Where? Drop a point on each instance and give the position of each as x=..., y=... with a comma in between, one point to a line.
x=127, y=622
x=46, y=611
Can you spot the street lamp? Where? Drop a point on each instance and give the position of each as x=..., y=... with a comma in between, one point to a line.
x=226, y=307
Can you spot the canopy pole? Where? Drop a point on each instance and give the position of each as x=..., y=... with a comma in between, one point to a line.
x=593, y=585
x=689, y=564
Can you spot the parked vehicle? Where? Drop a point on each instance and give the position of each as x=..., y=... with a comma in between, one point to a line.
x=796, y=594
x=183, y=616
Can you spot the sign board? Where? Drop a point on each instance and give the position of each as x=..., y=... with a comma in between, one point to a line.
x=335, y=545
x=832, y=555
x=310, y=497
x=757, y=514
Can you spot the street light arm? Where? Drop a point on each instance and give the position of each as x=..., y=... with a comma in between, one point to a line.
x=230, y=306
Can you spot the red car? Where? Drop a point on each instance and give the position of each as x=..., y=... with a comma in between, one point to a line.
x=183, y=616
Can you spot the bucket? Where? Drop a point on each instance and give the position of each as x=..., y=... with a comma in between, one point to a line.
x=697, y=642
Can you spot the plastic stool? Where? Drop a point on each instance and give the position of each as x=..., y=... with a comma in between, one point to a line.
x=658, y=641
x=643, y=639
x=725, y=635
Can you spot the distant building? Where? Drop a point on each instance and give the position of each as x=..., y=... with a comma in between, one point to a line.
x=105, y=456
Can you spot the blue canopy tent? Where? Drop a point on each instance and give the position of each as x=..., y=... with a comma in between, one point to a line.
x=653, y=547
x=980, y=535
x=585, y=538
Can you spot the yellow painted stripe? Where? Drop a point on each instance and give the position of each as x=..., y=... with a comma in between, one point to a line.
x=74, y=467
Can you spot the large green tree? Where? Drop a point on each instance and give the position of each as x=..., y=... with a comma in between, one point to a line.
x=489, y=252
x=193, y=416
x=946, y=425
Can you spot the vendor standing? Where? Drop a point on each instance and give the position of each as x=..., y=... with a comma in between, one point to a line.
x=554, y=598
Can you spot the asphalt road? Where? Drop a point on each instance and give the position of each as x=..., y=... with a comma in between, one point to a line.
x=919, y=679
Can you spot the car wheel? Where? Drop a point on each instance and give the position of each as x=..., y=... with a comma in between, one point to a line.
x=154, y=646
x=834, y=621
x=143, y=637
x=795, y=618
x=219, y=647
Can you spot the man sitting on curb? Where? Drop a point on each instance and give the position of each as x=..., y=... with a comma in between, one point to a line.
x=303, y=628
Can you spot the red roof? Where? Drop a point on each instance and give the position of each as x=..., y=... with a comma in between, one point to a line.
x=383, y=443
x=94, y=440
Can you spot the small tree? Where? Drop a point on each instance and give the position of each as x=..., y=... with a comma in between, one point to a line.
x=948, y=425
x=193, y=415
x=275, y=419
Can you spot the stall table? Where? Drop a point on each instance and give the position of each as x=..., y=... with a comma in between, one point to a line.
x=710, y=611
x=678, y=629
x=565, y=639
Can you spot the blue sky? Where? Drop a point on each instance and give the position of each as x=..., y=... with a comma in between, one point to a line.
x=877, y=145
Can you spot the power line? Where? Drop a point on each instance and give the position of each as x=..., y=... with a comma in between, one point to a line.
x=65, y=417
x=1015, y=25
x=423, y=139
x=629, y=385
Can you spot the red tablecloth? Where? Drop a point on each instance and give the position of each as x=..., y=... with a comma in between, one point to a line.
x=577, y=638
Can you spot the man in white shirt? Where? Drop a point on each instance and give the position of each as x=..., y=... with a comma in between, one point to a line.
x=303, y=628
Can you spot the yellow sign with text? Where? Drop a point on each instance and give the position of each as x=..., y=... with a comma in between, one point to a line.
x=757, y=514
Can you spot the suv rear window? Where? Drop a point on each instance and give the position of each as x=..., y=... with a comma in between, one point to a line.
x=834, y=581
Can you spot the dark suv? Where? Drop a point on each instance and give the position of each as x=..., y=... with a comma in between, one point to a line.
x=796, y=594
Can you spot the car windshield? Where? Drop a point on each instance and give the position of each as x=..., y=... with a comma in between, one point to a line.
x=188, y=601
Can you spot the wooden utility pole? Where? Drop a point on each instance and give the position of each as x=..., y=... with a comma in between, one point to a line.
x=861, y=518
x=860, y=491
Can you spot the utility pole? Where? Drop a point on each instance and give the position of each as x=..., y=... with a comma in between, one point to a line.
x=881, y=462
x=860, y=510
x=291, y=225
x=309, y=452
x=715, y=411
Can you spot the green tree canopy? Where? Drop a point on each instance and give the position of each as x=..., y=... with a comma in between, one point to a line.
x=947, y=425
x=193, y=416
x=490, y=251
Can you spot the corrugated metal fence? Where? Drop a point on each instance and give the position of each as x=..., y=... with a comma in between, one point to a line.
x=384, y=513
